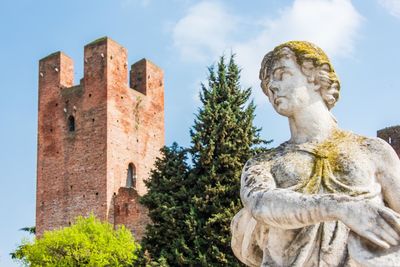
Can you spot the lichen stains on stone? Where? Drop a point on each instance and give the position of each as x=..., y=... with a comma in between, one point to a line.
x=136, y=111
x=327, y=164
x=76, y=90
x=51, y=55
x=330, y=148
x=305, y=51
x=98, y=40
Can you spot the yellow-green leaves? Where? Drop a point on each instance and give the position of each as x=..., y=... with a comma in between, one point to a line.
x=88, y=242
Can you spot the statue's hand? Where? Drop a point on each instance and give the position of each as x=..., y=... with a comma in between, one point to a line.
x=379, y=225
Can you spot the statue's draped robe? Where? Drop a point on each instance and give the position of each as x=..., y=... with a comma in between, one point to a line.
x=328, y=243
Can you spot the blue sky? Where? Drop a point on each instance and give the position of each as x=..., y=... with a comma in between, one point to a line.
x=183, y=37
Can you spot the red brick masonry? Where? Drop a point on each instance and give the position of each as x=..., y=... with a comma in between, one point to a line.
x=89, y=133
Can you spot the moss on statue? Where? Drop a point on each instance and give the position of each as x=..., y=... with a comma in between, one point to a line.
x=304, y=52
x=328, y=165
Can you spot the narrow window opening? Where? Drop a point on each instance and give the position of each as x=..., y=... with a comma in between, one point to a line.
x=131, y=176
x=71, y=123
x=126, y=207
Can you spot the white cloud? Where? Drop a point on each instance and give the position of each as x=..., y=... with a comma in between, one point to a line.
x=205, y=30
x=393, y=6
x=208, y=29
x=331, y=24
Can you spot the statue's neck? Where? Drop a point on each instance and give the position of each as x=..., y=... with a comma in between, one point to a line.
x=314, y=123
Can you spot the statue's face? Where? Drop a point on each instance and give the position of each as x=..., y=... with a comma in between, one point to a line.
x=288, y=88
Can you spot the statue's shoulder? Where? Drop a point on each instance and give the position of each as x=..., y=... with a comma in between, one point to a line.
x=267, y=155
x=382, y=154
x=378, y=145
x=349, y=138
x=373, y=145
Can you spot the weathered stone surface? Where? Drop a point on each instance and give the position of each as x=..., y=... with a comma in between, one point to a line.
x=392, y=136
x=83, y=170
x=326, y=197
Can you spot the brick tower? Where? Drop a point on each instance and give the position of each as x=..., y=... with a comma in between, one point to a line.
x=98, y=140
x=392, y=136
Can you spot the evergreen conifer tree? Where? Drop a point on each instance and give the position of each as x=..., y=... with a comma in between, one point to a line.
x=223, y=139
x=168, y=238
x=191, y=207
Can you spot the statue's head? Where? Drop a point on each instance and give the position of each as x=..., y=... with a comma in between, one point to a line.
x=310, y=60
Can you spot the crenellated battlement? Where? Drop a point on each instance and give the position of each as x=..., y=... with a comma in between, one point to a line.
x=98, y=136
x=105, y=62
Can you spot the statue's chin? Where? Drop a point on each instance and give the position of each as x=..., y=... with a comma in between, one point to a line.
x=283, y=110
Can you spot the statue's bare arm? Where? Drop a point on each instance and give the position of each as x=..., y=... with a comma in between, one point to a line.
x=279, y=207
x=370, y=220
x=388, y=174
x=287, y=209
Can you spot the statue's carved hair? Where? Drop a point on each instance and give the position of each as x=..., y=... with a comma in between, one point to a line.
x=314, y=64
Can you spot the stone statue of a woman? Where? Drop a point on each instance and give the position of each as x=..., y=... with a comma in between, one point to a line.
x=326, y=197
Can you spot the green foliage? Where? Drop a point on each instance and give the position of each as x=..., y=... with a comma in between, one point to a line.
x=192, y=207
x=223, y=139
x=88, y=242
x=168, y=239
x=31, y=230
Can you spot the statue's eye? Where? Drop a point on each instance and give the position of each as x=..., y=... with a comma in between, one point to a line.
x=278, y=75
x=285, y=74
x=281, y=73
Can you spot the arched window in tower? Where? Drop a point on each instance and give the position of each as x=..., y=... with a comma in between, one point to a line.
x=131, y=177
x=71, y=123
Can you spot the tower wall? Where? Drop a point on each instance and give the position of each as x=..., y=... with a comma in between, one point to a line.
x=129, y=212
x=55, y=74
x=392, y=136
x=82, y=171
